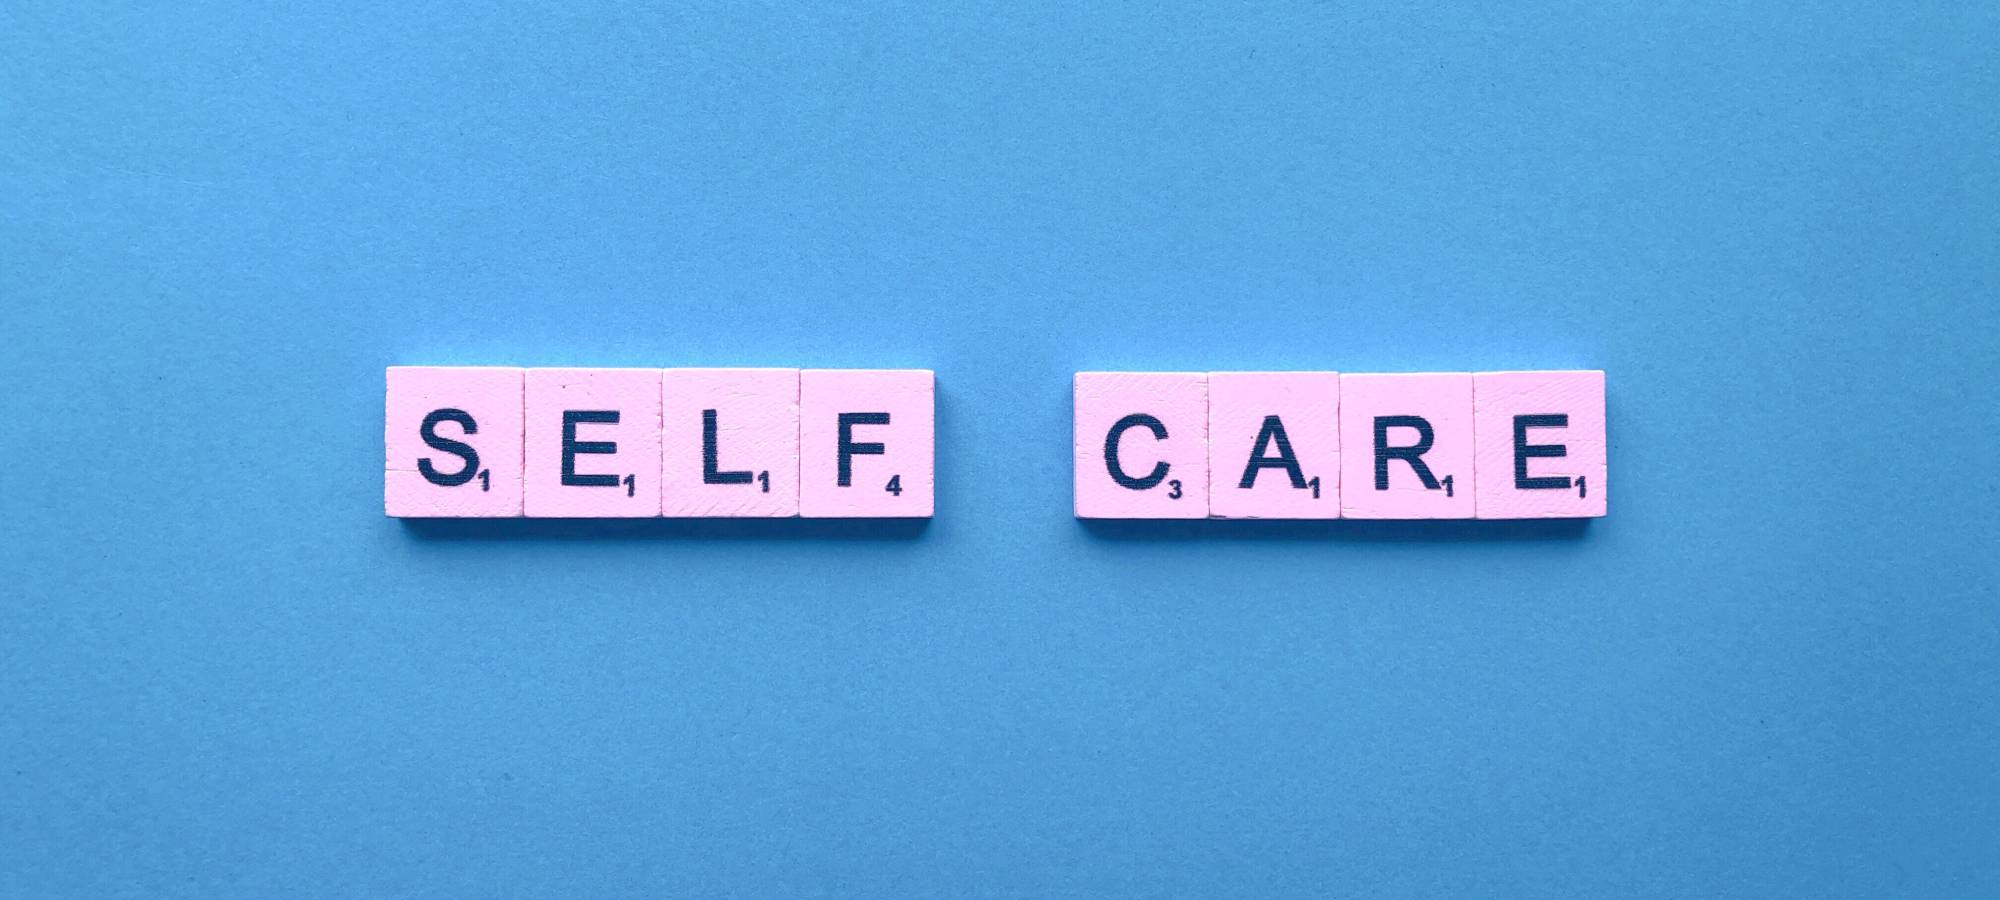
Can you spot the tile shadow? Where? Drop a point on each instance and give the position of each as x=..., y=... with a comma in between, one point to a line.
x=661, y=529
x=1438, y=531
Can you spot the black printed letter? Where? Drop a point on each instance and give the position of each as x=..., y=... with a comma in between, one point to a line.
x=461, y=450
x=849, y=449
x=708, y=455
x=1134, y=420
x=1273, y=430
x=1523, y=450
x=572, y=446
x=1414, y=454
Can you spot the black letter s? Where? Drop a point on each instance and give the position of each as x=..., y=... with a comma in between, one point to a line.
x=456, y=448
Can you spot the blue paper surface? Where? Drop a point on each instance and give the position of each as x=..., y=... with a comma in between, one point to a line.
x=1771, y=671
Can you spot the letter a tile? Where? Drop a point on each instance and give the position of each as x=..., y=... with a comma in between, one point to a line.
x=1274, y=445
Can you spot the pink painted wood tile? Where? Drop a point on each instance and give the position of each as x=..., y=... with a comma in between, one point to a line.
x=1141, y=445
x=730, y=443
x=1541, y=444
x=1406, y=446
x=452, y=442
x=1279, y=433
x=866, y=443
x=593, y=448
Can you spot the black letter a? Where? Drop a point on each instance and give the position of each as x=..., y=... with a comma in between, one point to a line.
x=1273, y=430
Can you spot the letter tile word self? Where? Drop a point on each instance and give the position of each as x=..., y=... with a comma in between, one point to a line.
x=1323, y=445
x=603, y=443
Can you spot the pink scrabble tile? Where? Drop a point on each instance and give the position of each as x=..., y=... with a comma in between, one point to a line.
x=593, y=443
x=1407, y=446
x=730, y=442
x=1141, y=445
x=452, y=442
x=1540, y=444
x=866, y=439
x=1274, y=445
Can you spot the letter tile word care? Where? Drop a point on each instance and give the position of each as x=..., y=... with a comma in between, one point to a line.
x=623, y=443
x=1326, y=445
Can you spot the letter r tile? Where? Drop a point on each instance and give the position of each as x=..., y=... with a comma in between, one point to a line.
x=452, y=442
x=1406, y=446
x=1541, y=444
x=1141, y=445
x=866, y=442
x=593, y=445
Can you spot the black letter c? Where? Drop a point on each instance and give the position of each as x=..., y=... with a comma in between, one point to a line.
x=1134, y=420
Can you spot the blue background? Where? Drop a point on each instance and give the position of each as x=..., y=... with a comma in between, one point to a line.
x=1772, y=670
